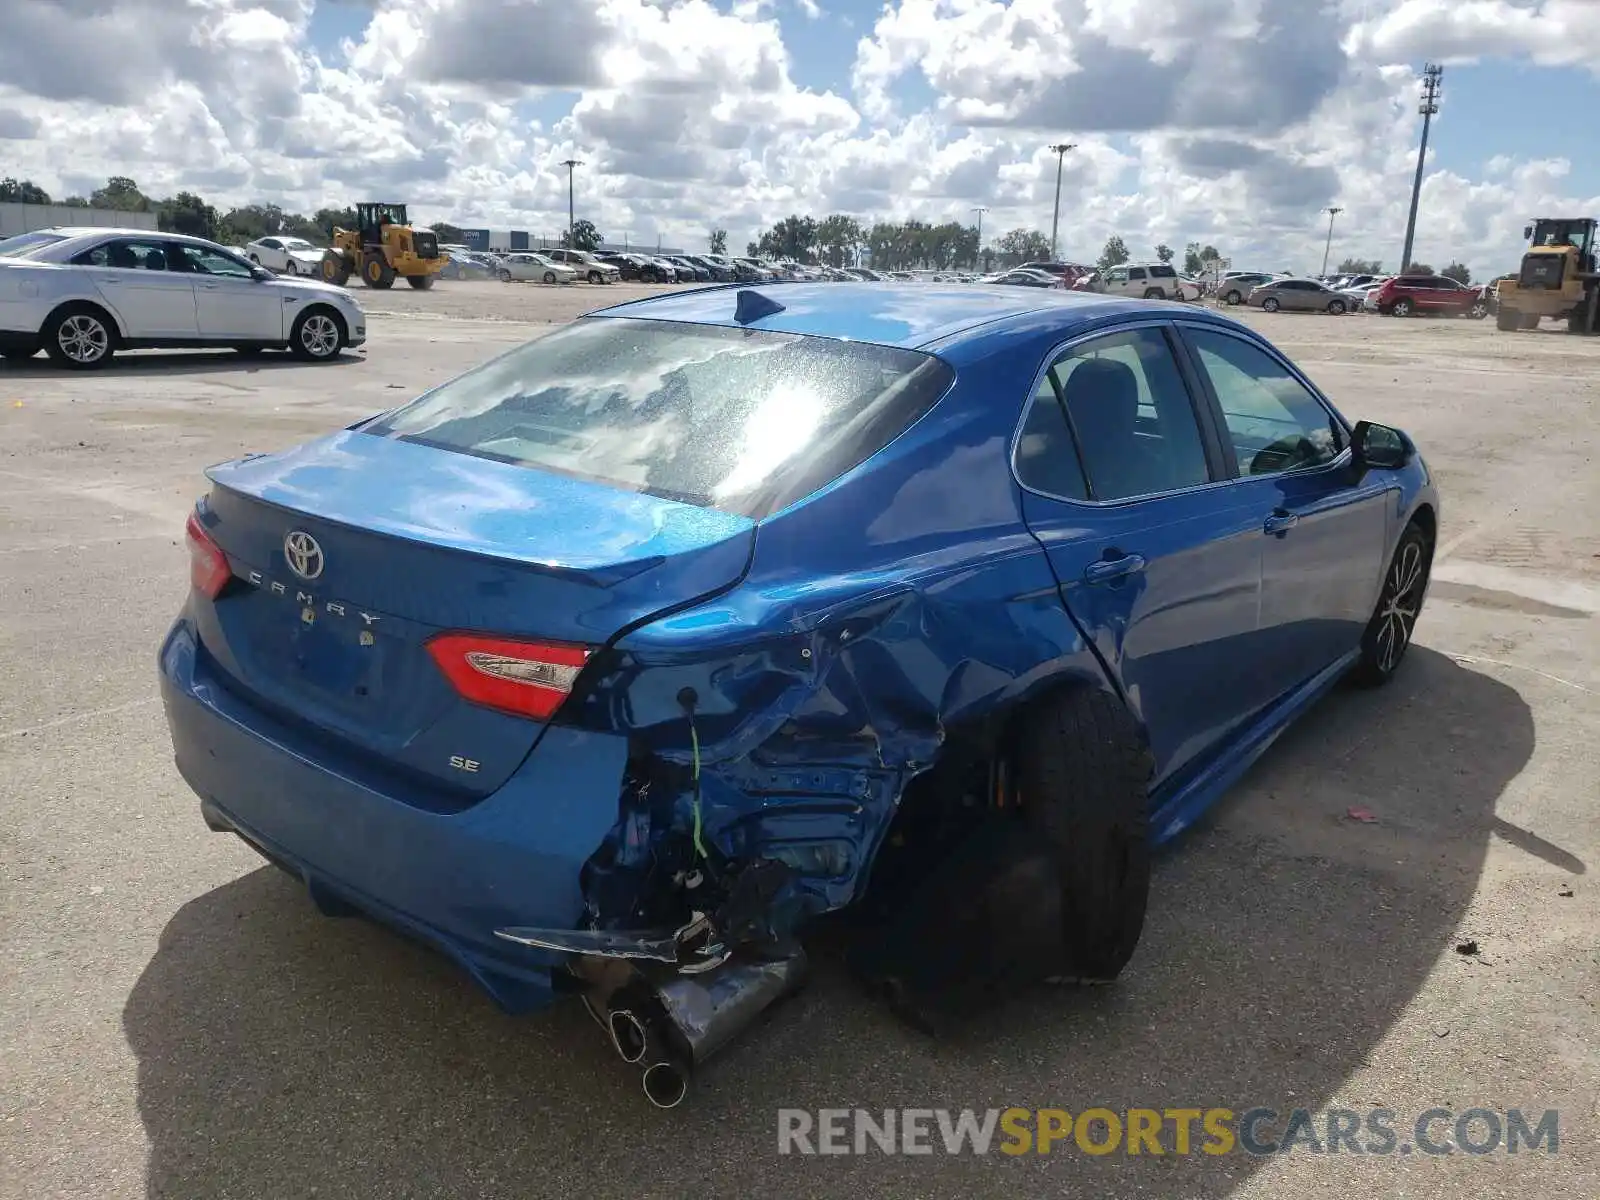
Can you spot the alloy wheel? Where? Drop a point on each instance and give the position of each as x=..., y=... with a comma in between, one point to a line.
x=83, y=338
x=320, y=336
x=1397, y=611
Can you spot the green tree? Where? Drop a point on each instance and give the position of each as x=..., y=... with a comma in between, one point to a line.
x=1165, y=252
x=22, y=191
x=838, y=238
x=188, y=213
x=584, y=235
x=121, y=194
x=1198, y=259
x=329, y=219
x=447, y=232
x=1361, y=266
x=794, y=238
x=1022, y=245
x=1114, y=254
x=1459, y=272
x=717, y=242
x=74, y=202
x=1419, y=269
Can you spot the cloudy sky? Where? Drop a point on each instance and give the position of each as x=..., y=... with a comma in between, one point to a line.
x=1225, y=121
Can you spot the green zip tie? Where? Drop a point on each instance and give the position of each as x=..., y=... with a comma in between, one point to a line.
x=694, y=740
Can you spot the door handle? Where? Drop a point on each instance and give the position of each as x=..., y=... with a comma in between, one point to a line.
x=1104, y=570
x=210, y=287
x=1280, y=522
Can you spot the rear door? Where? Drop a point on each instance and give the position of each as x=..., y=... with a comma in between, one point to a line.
x=233, y=303
x=1323, y=530
x=150, y=301
x=1157, y=564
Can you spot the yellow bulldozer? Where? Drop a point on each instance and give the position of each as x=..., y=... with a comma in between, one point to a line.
x=1558, y=277
x=382, y=246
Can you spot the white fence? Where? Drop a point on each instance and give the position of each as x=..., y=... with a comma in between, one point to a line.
x=22, y=218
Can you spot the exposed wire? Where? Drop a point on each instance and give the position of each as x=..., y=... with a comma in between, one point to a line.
x=694, y=740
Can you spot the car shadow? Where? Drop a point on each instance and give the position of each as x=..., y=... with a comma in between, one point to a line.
x=168, y=362
x=280, y=1053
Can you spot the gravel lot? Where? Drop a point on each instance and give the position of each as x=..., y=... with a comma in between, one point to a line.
x=175, y=1020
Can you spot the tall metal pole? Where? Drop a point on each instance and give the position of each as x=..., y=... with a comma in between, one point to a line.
x=1429, y=106
x=569, y=164
x=1328, y=245
x=978, y=257
x=1061, y=149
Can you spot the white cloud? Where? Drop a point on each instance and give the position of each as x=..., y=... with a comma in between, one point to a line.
x=1227, y=121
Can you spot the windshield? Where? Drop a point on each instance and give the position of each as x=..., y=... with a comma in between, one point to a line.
x=12, y=247
x=736, y=419
x=297, y=244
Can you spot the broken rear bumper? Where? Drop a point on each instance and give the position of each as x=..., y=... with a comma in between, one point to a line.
x=447, y=876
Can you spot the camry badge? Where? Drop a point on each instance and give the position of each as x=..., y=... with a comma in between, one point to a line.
x=302, y=553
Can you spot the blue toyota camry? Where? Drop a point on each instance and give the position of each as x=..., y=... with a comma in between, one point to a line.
x=614, y=664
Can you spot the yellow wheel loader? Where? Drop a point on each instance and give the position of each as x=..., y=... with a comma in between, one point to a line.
x=382, y=246
x=1559, y=277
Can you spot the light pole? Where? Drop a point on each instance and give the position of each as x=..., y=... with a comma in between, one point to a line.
x=1332, y=212
x=569, y=164
x=1061, y=149
x=978, y=257
x=1431, y=75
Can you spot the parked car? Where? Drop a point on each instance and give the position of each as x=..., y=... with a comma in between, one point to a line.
x=533, y=670
x=1297, y=295
x=83, y=296
x=289, y=255
x=530, y=266
x=463, y=265
x=1431, y=295
x=1232, y=289
x=641, y=268
x=589, y=267
x=757, y=272
x=715, y=271
x=1149, y=281
x=1023, y=277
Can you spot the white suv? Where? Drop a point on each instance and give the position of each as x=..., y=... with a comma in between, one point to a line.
x=586, y=265
x=1151, y=281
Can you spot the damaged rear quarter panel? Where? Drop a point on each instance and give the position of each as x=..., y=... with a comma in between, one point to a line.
x=903, y=600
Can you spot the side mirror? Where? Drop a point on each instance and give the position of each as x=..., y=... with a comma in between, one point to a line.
x=1378, y=447
x=261, y=274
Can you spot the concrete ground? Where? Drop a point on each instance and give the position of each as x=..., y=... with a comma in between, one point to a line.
x=175, y=1019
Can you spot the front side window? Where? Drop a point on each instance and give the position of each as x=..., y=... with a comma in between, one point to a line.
x=736, y=419
x=1130, y=418
x=1135, y=272
x=1274, y=423
x=201, y=261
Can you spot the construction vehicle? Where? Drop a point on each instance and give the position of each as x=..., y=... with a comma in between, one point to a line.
x=1558, y=277
x=382, y=246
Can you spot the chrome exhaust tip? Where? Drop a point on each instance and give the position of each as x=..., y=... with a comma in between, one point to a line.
x=665, y=1084
x=628, y=1035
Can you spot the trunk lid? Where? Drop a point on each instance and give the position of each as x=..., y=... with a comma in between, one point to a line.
x=397, y=542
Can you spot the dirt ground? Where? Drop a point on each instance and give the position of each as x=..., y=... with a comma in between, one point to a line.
x=176, y=1021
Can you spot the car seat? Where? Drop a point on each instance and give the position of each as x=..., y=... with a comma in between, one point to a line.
x=1102, y=398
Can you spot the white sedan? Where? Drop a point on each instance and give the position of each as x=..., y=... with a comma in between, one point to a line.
x=82, y=295
x=287, y=255
x=534, y=266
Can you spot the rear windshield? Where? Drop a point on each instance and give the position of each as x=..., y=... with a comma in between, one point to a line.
x=13, y=247
x=742, y=420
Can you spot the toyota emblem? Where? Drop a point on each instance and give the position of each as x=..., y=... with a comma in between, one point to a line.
x=302, y=553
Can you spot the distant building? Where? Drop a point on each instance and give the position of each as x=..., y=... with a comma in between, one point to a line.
x=24, y=218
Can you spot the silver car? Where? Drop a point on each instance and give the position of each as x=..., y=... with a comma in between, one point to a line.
x=534, y=267
x=1297, y=295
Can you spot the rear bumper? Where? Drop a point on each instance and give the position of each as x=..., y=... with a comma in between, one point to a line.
x=447, y=878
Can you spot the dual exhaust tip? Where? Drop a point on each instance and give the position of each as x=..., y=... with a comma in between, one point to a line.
x=666, y=1083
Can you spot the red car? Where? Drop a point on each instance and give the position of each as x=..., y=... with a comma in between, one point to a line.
x=1431, y=295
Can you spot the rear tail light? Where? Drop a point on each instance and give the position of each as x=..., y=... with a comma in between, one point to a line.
x=208, y=565
x=525, y=679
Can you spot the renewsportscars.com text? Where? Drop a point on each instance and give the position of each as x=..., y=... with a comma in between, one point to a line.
x=1177, y=1131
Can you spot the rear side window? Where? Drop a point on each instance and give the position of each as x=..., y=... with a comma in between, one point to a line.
x=1162, y=273
x=742, y=420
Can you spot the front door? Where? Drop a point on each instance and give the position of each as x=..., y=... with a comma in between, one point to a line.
x=1159, y=568
x=1323, y=530
x=233, y=305
x=149, y=300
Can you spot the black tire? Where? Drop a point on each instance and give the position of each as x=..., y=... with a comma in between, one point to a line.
x=1507, y=322
x=255, y=260
x=549, y=276
x=318, y=334
x=596, y=277
x=1401, y=308
x=20, y=354
x=1270, y=304
x=335, y=268
x=1530, y=320
x=80, y=337
x=1154, y=294
x=420, y=282
x=377, y=273
x=1394, y=620
x=1337, y=307
x=1083, y=779
x=292, y=269
x=505, y=275
x=1478, y=310
x=1233, y=297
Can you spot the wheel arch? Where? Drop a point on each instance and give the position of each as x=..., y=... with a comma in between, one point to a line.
x=102, y=309
x=322, y=306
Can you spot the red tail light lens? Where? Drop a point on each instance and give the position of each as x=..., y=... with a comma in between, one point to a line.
x=525, y=679
x=208, y=565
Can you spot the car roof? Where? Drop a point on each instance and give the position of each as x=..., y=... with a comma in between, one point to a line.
x=905, y=315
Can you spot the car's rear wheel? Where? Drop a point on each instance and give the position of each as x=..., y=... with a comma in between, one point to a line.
x=505, y=276
x=1388, y=634
x=1336, y=307
x=596, y=277
x=1270, y=304
x=1082, y=778
x=1154, y=294
x=79, y=336
x=1233, y=297
x=1401, y=308
x=318, y=335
